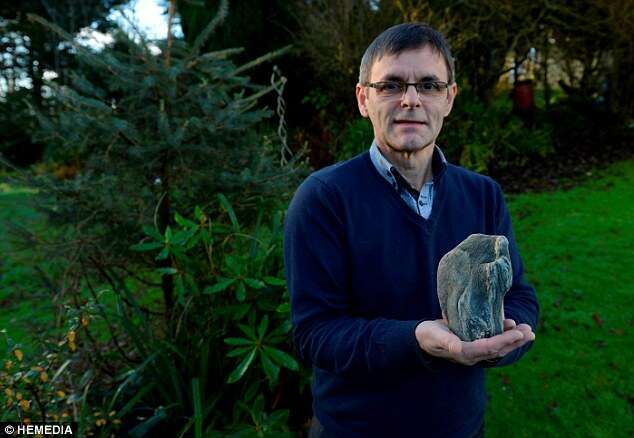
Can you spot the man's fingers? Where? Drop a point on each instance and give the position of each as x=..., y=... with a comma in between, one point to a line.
x=508, y=337
x=440, y=341
x=527, y=330
x=507, y=349
x=528, y=336
x=494, y=347
x=454, y=346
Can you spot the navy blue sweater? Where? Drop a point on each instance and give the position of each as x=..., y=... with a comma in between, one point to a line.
x=361, y=270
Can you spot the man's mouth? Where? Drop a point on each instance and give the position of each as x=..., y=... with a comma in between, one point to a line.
x=408, y=122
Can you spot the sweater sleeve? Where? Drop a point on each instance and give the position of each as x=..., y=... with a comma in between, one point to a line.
x=326, y=331
x=520, y=302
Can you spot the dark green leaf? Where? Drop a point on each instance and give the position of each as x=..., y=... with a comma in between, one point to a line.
x=168, y=271
x=233, y=265
x=163, y=254
x=240, y=351
x=181, y=237
x=146, y=246
x=282, y=358
x=273, y=281
x=177, y=251
x=249, y=331
x=193, y=241
x=206, y=237
x=241, y=292
x=220, y=286
x=134, y=400
x=284, y=308
x=274, y=340
x=185, y=223
x=258, y=406
x=238, y=341
x=264, y=324
x=284, y=328
x=152, y=232
x=254, y=283
x=144, y=428
x=229, y=209
x=241, y=368
x=272, y=371
x=198, y=411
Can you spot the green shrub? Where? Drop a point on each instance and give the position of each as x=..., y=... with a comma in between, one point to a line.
x=220, y=369
x=147, y=136
x=357, y=138
x=483, y=138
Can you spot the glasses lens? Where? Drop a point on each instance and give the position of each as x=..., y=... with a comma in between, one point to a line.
x=390, y=88
x=430, y=88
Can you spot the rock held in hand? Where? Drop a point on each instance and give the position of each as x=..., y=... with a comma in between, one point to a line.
x=472, y=281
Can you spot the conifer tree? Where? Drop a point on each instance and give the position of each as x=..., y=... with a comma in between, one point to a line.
x=150, y=136
x=169, y=128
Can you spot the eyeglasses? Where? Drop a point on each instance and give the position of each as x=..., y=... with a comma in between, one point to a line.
x=389, y=89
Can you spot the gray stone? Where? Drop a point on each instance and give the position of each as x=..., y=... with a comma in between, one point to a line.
x=472, y=281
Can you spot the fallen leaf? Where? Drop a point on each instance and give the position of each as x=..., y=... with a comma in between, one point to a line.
x=597, y=319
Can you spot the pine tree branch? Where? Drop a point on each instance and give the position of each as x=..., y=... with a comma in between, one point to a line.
x=222, y=13
x=212, y=56
x=261, y=59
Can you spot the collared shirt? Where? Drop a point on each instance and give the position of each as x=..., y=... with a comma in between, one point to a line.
x=421, y=202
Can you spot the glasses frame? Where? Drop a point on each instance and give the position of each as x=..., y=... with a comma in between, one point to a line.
x=404, y=86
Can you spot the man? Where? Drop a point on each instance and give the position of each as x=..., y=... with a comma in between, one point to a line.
x=363, y=240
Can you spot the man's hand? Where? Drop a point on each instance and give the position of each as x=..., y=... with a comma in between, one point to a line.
x=437, y=339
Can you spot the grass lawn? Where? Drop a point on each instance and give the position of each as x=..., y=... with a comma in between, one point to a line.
x=578, y=251
x=26, y=310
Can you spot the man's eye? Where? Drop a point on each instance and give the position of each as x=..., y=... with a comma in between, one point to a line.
x=429, y=86
x=390, y=87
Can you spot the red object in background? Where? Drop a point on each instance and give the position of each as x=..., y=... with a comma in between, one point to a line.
x=523, y=97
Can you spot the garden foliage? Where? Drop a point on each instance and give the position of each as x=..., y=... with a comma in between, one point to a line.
x=176, y=310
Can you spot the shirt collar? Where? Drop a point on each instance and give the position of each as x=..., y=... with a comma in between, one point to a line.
x=387, y=170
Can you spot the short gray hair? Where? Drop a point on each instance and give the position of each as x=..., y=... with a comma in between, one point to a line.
x=402, y=37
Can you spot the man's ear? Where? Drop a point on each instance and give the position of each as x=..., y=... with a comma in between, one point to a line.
x=361, y=100
x=452, y=92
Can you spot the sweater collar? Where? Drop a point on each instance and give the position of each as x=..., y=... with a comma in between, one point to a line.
x=389, y=172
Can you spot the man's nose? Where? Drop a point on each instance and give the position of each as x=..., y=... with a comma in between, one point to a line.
x=410, y=98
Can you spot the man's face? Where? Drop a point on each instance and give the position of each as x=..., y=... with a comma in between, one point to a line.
x=410, y=122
